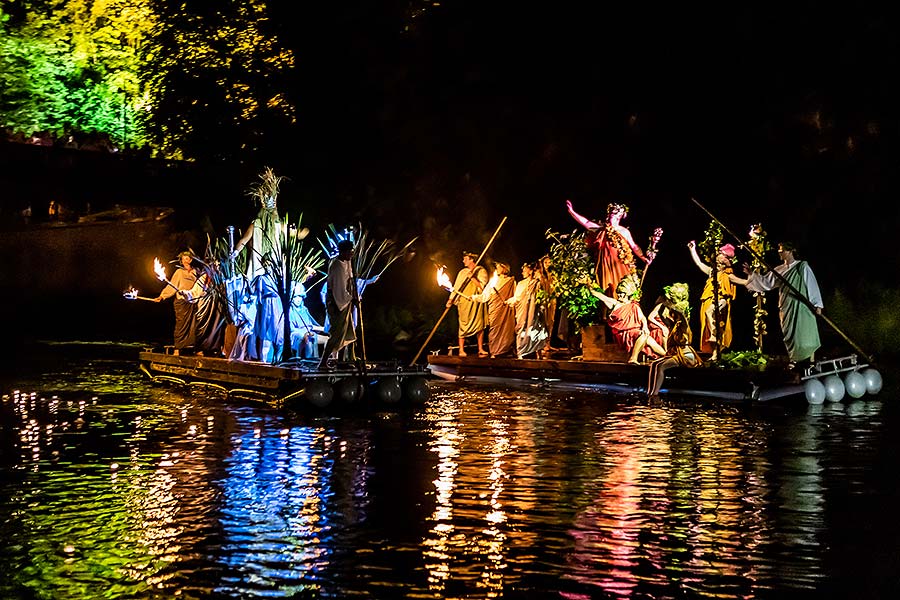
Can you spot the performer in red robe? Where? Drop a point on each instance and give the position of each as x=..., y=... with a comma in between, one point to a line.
x=627, y=320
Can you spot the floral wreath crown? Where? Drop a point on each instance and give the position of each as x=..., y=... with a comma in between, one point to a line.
x=616, y=207
x=630, y=287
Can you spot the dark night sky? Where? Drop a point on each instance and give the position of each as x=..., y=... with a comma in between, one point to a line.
x=763, y=112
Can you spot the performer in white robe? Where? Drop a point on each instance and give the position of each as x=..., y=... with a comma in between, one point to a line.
x=798, y=322
x=339, y=303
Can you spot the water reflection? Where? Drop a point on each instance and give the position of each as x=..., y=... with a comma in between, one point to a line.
x=121, y=489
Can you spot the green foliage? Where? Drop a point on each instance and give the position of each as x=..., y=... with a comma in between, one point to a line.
x=216, y=78
x=760, y=314
x=370, y=259
x=73, y=65
x=146, y=72
x=743, y=359
x=571, y=266
x=709, y=246
x=759, y=245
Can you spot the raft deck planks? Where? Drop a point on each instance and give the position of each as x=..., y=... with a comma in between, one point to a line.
x=619, y=376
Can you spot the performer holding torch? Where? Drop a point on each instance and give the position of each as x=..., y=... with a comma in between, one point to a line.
x=183, y=281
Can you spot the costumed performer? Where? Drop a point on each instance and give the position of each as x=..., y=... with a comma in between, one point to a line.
x=304, y=328
x=612, y=245
x=679, y=352
x=184, y=279
x=713, y=338
x=798, y=322
x=627, y=320
x=501, y=316
x=472, y=315
x=532, y=336
x=339, y=303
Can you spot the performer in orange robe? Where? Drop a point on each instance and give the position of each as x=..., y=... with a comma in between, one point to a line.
x=627, y=320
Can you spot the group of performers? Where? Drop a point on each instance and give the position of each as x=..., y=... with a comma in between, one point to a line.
x=232, y=308
x=251, y=306
x=505, y=316
x=517, y=319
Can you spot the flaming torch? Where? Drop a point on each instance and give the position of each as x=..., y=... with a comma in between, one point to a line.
x=132, y=294
x=443, y=280
x=161, y=273
x=491, y=284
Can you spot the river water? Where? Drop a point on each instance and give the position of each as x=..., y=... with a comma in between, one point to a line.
x=113, y=487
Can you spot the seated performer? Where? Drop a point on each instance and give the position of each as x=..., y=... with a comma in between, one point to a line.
x=304, y=328
x=244, y=316
x=627, y=320
x=660, y=321
x=679, y=352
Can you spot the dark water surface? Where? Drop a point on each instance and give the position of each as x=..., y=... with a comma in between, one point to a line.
x=115, y=488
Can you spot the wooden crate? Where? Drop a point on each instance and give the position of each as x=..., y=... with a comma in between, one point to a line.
x=597, y=343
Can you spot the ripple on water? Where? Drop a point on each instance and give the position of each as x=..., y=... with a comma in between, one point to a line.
x=113, y=486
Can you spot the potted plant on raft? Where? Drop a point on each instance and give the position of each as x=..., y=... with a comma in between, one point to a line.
x=570, y=266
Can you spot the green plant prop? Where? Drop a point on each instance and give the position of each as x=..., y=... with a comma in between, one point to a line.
x=571, y=266
x=368, y=258
x=746, y=359
x=708, y=248
x=288, y=261
x=758, y=246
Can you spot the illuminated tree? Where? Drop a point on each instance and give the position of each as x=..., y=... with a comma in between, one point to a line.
x=73, y=65
x=185, y=78
x=218, y=76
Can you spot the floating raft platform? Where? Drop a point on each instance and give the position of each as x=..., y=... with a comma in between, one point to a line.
x=298, y=384
x=706, y=381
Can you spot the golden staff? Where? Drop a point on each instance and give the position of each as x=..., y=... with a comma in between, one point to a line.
x=459, y=293
x=654, y=240
x=464, y=283
x=786, y=283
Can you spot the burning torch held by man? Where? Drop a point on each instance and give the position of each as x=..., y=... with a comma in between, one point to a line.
x=183, y=288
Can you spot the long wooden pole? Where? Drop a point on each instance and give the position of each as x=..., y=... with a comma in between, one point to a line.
x=359, y=312
x=786, y=283
x=455, y=290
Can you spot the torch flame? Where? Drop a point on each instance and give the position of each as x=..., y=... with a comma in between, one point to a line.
x=131, y=294
x=443, y=279
x=159, y=270
x=492, y=282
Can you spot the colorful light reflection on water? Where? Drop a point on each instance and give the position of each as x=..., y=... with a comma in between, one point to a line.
x=114, y=488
